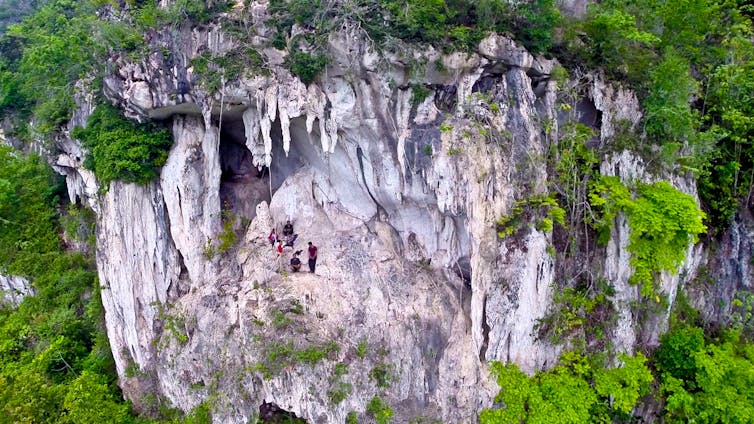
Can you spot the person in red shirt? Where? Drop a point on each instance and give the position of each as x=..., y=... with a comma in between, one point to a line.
x=273, y=237
x=312, y=257
x=280, y=248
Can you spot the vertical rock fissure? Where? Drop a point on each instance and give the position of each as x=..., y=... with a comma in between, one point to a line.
x=485, y=332
x=380, y=209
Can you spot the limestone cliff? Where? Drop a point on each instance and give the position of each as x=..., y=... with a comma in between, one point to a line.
x=414, y=291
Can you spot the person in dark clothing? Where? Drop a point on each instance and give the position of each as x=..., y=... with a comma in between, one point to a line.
x=288, y=229
x=312, y=257
x=295, y=263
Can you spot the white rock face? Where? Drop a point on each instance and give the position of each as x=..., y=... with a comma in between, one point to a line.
x=413, y=285
x=13, y=289
x=189, y=184
x=137, y=265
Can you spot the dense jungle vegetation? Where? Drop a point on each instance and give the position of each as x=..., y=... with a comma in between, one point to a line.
x=691, y=62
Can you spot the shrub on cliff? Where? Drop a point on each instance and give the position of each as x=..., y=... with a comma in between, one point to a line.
x=120, y=149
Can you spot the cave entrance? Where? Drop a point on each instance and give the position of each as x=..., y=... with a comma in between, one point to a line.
x=270, y=413
x=242, y=185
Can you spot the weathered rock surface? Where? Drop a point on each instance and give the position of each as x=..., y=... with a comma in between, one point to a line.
x=414, y=291
x=13, y=289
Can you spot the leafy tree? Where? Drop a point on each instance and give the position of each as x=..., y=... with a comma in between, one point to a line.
x=122, y=149
x=538, y=20
x=420, y=20
x=89, y=400
x=668, y=115
x=711, y=382
x=27, y=215
x=55, y=363
x=614, y=37
x=623, y=386
x=12, y=11
x=57, y=49
x=306, y=65
x=676, y=353
x=576, y=391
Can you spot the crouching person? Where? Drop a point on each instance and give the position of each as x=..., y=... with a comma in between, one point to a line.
x=295, y=262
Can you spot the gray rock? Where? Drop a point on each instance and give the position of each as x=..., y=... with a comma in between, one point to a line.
x=413, y=284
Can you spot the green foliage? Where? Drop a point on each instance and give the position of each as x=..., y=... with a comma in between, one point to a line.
x=43, y=57
x=726, y=177
x=576, y=391
x=352, y=418
x=200, y=414
x=305, y=65
x=278, y=356
x=13, y=11
x=448, y=24
x=420, y=20
x=78, y=224
x=419, y=92
x=382, y=374
x=209, y=249
x=676, y=353
x=585, y=308
x=339, y=390
x=362, y=348
x=228, y=237
x=90, y=400
x=692, y=64
x=120, y=149
x=575, y=165
x=543, y=210
x=194, y=11
x=663, y=221
x=280, y=320
x=742, y=312
x=668, y=115
x=27, y=214
x=624, y=385
x=55, y=363
x=538, y=19
x=379, y=410
x=614, y=37
x=174, y=322
x=214, y=71
x=56, y=45
x=706, y=382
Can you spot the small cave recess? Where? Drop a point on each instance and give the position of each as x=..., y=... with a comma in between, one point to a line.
x=271, y=413
x=242, y=185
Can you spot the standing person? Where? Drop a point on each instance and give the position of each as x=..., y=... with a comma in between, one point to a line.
x=273, y=237
x=280, y=248
x=312, y=257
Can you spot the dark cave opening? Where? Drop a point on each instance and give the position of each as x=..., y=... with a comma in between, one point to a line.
x=270, y=413
x=242, y=185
